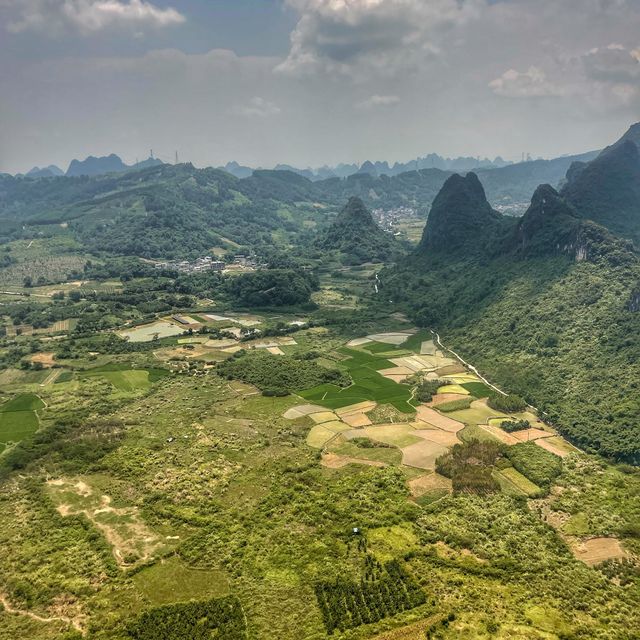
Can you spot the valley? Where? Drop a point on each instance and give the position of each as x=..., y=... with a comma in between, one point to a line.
x=341, y=431
x=162, y=476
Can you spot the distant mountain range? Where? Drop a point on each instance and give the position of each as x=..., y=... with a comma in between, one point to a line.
x=45, y=172
x=93, y=166
x=378, y=168
x=508, y=186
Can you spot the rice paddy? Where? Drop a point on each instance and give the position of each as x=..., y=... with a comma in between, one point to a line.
x=368, y=384
x=154, y=331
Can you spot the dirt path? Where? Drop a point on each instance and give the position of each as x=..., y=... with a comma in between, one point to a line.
x=34, y=616
x=466, y=364
x=51, y=377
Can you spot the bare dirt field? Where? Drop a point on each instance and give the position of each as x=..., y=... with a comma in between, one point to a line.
x=44, y=358
x=549, y=445
x=441, y=398
x=302, y=410
x=499, y=433
x=431, y=416
x=429, y=482
x=335, y=461
x=422, y=455
x=531, y=434
x=597, y=550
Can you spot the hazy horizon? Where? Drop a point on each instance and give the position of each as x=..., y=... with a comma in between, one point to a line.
x=314, y=82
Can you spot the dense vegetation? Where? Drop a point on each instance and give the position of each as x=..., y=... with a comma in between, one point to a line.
x=357, y=238
x=509, y=404
x=470, y=466
x=534, y=462
x=272, y=288
x=279, y=374
x=192, y=621
x=384, y=591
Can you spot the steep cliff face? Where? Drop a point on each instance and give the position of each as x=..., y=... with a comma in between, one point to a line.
x=607, y=190
x=552, y=226
x=549, y=226
x=461, y=219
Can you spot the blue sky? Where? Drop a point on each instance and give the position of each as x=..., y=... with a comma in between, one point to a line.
x=309, y=82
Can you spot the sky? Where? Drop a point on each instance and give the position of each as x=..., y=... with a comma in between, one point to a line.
x=313, y=82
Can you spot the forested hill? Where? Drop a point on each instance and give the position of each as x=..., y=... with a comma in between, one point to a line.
x=607, y=190
x=164, y=211
x=550, y=314
x=461, y=219
x=357, y=238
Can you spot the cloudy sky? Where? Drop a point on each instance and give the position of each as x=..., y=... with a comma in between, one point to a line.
x=309, y=82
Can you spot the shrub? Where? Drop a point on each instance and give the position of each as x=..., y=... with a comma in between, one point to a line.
x=456, y=405
x=514, y=425
x=508, y=404
x=534, y=462
x=427, y=388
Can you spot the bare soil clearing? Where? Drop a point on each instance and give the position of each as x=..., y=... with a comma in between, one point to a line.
x=597, y=550
x=130, y=538
x=336, y=461
x=302, y=410
x=46, y=359
x=550, y=444
x=431, y=416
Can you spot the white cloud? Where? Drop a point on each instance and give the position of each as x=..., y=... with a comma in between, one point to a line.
x=259, y=108
x=349, y=36
x=54, y=17
x=376, y=101
x=613, y=63
x=532, y=83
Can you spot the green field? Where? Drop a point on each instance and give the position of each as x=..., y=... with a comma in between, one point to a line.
x=23, y=402
x=123, y=378
x=171, y=580
x=368, y=384
x=511, y=478
x=18, y=418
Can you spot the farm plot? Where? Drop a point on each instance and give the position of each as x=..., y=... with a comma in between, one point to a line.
x=323, y=433
x=597, y=550
x=432, y=417
x=557, y=445
x=382, y=455
x=170, y=580
x=429, y=483
x=423, y=454
x=368, y=385
x=477, y=413
x=336, y=461
x=245, y=320
x=44, y=358
x=513, y=481
x=18, y=418
x=124, y=378
x=149, y=332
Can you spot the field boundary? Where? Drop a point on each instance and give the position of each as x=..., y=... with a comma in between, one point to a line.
x=466, y=364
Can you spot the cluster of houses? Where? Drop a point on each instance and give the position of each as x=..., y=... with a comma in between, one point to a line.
x=211, y=264
x=387, y=219
x=197, y=266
